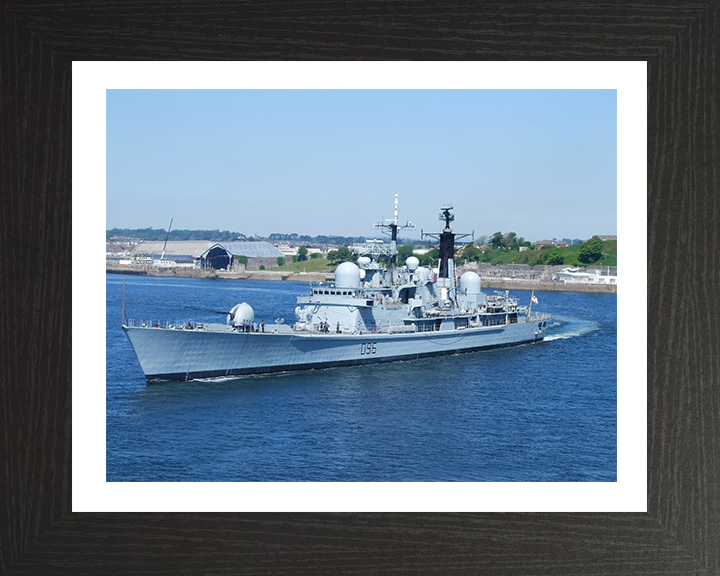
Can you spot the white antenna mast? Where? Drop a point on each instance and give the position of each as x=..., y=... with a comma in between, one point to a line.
x=393, y=228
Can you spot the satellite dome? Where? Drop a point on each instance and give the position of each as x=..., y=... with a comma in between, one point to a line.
x=241, y=312
x=347, y=275
x=470, y=281
x=363, y=261
x=412, y=263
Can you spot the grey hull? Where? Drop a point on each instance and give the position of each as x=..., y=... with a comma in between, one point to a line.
x=171, y=354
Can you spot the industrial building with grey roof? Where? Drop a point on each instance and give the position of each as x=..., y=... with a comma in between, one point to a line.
x=207, y=254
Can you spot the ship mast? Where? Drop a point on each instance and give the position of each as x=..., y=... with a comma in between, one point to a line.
x=393, y=228
x=446, y=268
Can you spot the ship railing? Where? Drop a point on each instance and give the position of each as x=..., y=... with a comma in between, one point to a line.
x=164, y=324
x=538, y=317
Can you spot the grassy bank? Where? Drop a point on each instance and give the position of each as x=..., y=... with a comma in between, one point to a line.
x=311, y=265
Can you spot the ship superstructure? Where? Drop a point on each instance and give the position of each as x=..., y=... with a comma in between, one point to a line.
x=374, y=311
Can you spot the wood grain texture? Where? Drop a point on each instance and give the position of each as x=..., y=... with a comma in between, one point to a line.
x=681, y=531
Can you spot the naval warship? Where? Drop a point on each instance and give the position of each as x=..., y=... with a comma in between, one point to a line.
x=375, y=311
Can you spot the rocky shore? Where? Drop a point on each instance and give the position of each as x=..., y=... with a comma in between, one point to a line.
x=498, y=277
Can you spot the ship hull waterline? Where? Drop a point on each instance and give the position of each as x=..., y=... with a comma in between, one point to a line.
x=179, y=355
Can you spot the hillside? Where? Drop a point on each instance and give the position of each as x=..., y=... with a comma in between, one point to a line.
x=568, y=255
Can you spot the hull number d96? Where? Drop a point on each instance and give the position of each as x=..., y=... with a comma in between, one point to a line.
x=368, y=348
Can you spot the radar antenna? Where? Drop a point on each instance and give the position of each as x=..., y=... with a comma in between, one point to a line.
x=445, y=215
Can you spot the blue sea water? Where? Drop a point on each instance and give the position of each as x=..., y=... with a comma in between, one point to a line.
x=534, y=413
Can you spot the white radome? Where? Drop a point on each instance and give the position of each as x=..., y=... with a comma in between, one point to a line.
x=347, y=275
x=241, y=312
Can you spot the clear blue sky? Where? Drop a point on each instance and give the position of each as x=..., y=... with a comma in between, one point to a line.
x=541, y=163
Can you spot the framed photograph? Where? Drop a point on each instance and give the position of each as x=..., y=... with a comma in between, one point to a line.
x=55, y=503
x=530, y=145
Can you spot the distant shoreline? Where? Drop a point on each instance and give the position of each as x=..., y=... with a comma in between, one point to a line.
x=489, y=283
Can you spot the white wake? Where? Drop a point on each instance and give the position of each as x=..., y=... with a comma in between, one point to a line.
x=564, y=327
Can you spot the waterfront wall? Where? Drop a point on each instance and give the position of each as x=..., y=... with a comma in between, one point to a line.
x=493, y=277
x=524, y=277
x=493, y=284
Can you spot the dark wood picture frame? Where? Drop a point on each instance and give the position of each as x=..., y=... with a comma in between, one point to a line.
x=681, y=530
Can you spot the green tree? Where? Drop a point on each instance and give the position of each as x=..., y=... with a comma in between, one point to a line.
x=315, y=255
x=555, y=257
x=302, y=253
x=510, y=241
x=497, y=240
x=471, y=253
x=403, y=253
x=281, y=260
x=241, y=260
x=429, y=257
x=591, y=251
x=342, y=254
